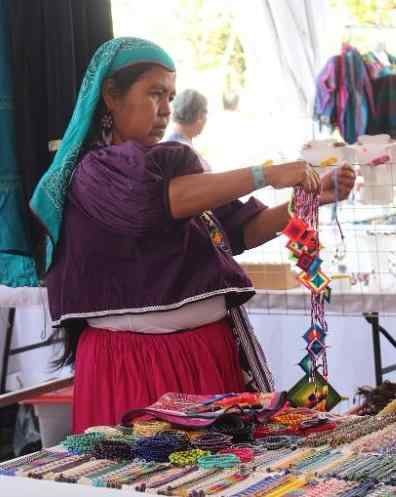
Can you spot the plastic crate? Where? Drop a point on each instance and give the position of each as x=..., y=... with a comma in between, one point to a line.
x=54, y=412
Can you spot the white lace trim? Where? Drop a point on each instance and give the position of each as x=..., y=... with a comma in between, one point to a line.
x=153, y=308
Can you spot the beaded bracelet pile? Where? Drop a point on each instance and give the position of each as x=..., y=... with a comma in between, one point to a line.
x=277, y=442
x=187, y=457
x=150, y=428
x=107, y=431
x=218, y=461
x=82, y=443
x=116, y=450
x=159, y=447
x=212, y=441
x=244, y=454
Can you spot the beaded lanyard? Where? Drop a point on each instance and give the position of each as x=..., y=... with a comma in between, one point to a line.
x=302, y=231
x=307, y=207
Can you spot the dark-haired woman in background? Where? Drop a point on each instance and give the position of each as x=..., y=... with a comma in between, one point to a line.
x=141, y=272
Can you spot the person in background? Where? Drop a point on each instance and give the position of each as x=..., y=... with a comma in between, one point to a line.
x=190, y=109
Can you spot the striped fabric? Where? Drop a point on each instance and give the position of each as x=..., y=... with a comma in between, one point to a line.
x=253, y=360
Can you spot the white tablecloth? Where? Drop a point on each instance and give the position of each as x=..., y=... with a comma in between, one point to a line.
x=28, y=487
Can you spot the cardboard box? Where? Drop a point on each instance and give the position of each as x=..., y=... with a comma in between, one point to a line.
x=271, y=276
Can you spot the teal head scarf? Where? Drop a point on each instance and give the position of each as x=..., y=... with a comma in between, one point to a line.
x=49, y=197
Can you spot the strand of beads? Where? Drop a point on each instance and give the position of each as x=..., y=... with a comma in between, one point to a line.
x=53, y=467
x=131, y=473
x=383, y=491
x=184, y=484
x=383, y=440
x=326, y=488
x=264, y=459
x=97, y=478
x=350, y=431
x=316, y=460
x=30, y=461
x=222, y=484
x=165, y=477
x=363, y=467
x=89, y=468
x=263, y=485
x=292, y=459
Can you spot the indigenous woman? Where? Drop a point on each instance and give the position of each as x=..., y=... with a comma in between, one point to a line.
x=141, y=274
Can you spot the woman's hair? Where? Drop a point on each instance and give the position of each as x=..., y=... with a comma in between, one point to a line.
x=188, y=106
x=120, y=82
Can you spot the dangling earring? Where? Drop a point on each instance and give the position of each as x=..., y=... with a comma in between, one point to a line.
x=107, y=126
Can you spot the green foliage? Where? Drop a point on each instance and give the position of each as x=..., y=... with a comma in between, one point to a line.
x=369, y=11
x=208, y=28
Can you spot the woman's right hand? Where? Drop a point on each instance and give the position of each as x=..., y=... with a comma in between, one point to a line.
x=298, y=173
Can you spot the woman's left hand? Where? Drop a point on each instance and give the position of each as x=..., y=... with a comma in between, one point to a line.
x=337, y=184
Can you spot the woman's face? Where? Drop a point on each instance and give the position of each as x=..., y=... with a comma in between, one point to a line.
x=142, y=114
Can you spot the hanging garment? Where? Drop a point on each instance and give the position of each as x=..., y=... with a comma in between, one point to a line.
x=384, y=120
x=355, y=81
x=326, y=88
x=346, y=81
x=379, y=67
x=51, y=45
x=13, y=234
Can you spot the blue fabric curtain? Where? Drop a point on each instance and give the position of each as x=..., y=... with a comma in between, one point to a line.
x=20, y=270
x=45, y=48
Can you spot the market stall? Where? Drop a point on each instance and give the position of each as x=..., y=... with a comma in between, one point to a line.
x=234, y=444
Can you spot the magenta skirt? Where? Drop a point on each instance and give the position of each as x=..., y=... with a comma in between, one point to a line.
x=118, y=371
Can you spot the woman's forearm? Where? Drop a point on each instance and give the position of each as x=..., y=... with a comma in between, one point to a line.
x=190, y=195
x=265, y=225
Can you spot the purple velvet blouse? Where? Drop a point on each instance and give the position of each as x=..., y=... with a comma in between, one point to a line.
x=121, y=252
